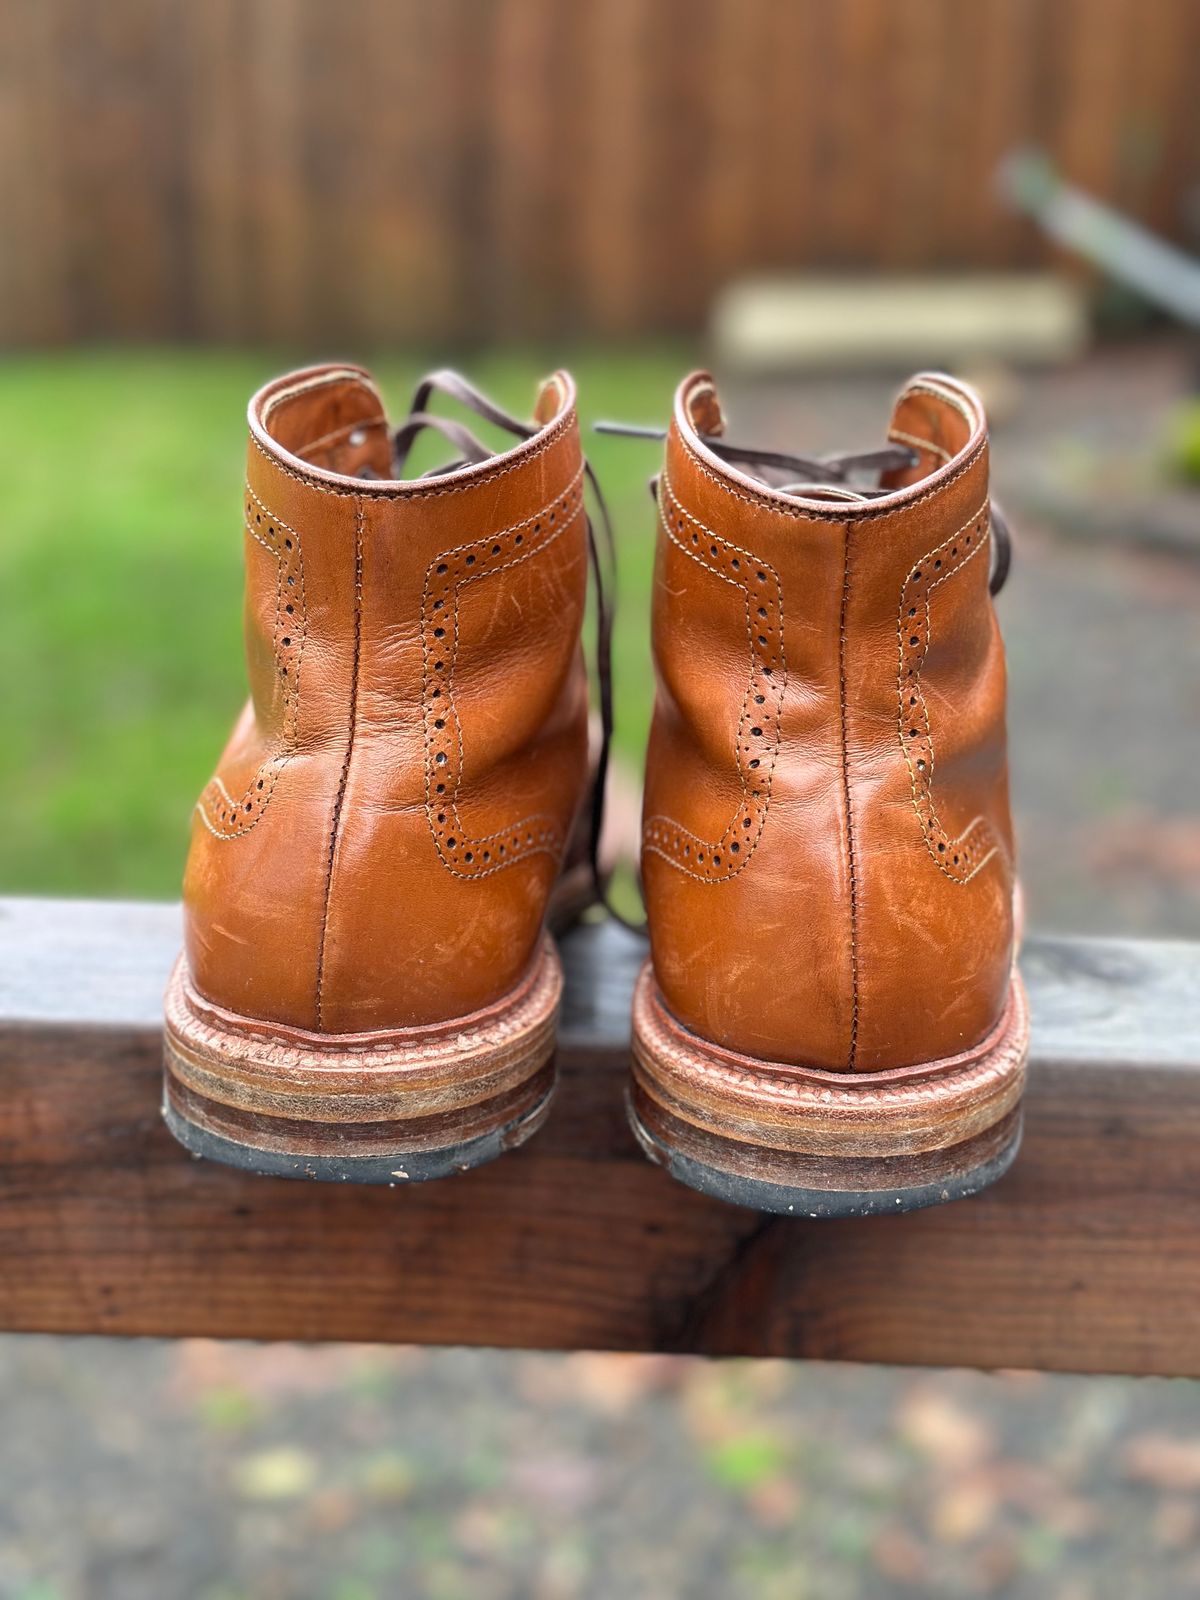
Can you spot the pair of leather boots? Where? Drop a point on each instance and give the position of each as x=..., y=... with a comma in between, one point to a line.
x=829, y=1021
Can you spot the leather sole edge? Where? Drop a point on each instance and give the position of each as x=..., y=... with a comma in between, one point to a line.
x=395, y=1169
x=904, y=1193
x=798, y=1141
x=384, y=1108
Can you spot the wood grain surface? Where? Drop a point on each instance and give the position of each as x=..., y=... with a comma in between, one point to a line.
x=1086, y=1257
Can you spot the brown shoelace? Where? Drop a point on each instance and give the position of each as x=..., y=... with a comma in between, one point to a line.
x=831, y=476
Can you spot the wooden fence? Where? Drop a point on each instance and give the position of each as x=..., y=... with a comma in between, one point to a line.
x=294, y=170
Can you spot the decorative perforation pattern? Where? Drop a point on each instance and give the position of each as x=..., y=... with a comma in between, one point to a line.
x=962, y=857
x=225, y=815
x=758, y=733
x=465, y=854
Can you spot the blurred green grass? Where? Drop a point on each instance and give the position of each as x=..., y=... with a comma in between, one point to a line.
x=120, y=571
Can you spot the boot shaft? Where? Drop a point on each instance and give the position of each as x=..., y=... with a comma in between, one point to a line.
x=383, y=829
x=827, y=847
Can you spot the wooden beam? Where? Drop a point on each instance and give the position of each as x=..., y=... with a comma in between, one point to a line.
x=1086, y=1257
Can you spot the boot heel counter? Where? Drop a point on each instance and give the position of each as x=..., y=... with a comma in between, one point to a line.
x=258, y=866
x=747, y=901
x=471, y=747
x=935, y=923
x=252, y=942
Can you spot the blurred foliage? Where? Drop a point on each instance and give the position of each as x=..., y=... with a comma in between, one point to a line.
x=120, y=567
x=614, y=1476
x=746, y=1461
x=1185, y=442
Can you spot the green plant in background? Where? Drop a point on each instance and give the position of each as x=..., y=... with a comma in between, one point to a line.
x=1184, y=445
x=746, y=1460
x=120, y=567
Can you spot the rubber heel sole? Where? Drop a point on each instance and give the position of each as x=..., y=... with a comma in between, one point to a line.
x=394, y=1108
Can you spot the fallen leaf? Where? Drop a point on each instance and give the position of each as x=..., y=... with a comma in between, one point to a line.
x=566, y=1482
x=387, y=1475
x=281, y=1474
x=330, y=1511
x=745, y=1461
x=1167, y=1462
x=943, y=1431
x=774, y=1503
x=899, y=1556
x=963, y=1512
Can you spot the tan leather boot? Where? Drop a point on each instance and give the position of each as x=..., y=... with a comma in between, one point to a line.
x=367, y=991
x=831, y=1023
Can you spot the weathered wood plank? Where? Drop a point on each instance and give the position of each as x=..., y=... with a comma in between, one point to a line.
x=1086, y=1257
